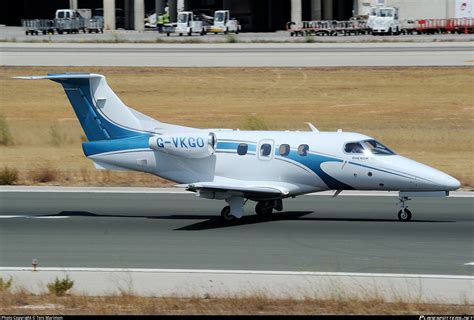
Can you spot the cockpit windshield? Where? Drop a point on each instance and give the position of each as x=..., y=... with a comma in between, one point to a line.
x=377, y=148
x=367, y=146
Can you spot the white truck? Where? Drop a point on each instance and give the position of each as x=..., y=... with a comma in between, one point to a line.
x=186, y=24
x=384, y=20
x=223, y=23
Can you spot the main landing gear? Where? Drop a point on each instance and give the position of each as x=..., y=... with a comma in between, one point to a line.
x=265, y=208
x=235, y=209
x=404, y=214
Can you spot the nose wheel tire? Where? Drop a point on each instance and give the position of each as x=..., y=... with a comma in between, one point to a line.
x=225, y=214
x=404, y=215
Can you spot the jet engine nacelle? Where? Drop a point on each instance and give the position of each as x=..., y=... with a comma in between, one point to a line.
x=188, y=145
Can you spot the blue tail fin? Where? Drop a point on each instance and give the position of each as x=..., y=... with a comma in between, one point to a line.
x=101, y=113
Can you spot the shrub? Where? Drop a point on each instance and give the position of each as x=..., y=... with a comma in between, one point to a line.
x=230, y=38
x=255, y=123
x=309, y=39
x=44, y=175
x=6, y=138
x=60, y=287
x=8, y=176
x=5, y=285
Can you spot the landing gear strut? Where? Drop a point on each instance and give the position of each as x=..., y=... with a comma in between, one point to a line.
x=265, y=208
x=235, y=209
x=404, y=214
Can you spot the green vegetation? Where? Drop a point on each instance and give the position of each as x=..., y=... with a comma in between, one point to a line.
x=6, y=138
x=59, y=287
x=5, y=284
x=8, y=176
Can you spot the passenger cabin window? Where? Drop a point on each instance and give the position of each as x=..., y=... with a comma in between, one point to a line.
x=265, y=150
x=377, y=148
x=242, y=149
x=303, y=150
x=354, y=147
x=284, y=150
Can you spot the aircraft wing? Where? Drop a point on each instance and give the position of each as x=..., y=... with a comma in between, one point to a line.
x=257, y=192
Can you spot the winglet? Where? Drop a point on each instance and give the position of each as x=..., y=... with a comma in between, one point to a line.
x=312, y=127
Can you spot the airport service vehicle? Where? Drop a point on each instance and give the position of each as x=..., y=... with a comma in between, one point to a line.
x=223, y=23
x=384, y=20
x=237, y=166
x=187, y=24
x=65, y=21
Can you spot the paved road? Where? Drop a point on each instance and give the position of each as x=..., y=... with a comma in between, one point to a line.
x=238, y=54
x=165, y=230
x=17, y=34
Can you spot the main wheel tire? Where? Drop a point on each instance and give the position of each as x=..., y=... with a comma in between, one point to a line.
x=225, y=214
x=263, y=208
x=404, y=215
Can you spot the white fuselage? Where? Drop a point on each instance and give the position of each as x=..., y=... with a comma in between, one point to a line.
x=326, y=166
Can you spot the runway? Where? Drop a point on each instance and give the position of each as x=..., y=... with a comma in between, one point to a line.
x=146, y=229
x=238, y=54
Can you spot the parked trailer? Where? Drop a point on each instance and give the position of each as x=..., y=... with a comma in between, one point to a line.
x=327, y=28
x=433, y=26
x=95, y=24
x=37, y=26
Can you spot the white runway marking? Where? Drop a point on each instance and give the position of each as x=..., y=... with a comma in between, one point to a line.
x=51, y=217
x=34, y=217
x=469, y=264
x=248, y=272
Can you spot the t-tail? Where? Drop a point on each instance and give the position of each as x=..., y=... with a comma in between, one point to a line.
x=103, y=116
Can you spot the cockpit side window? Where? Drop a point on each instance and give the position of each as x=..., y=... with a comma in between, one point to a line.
x=377, y=148
x=354, y=147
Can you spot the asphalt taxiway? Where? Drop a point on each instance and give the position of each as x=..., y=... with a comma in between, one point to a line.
x=238, y=54
x=148, y=228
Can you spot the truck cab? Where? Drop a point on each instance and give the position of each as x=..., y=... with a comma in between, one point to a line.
x=223, y=23
x=384, y=20
x=186, y=24
x=67, y=14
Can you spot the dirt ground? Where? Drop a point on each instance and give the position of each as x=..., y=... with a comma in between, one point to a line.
x=22, y=302
x=422, y=113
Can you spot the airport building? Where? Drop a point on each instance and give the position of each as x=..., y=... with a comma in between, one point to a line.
x=254, y=15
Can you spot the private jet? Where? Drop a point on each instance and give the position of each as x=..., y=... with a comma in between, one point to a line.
x=236, y=165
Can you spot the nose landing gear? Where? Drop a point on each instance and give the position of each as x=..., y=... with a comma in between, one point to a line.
x=404, y=214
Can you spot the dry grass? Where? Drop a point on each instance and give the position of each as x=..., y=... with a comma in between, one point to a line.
x=423, y=113
x=22, y=302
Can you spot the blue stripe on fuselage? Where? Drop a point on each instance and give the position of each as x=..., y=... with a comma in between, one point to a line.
x=102, y=146
x=311, y=161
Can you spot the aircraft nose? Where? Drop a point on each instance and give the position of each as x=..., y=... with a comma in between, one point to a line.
x=447, y=182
